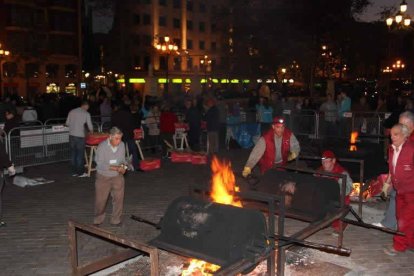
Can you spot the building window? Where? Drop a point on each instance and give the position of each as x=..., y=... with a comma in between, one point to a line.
x=189, y=24
x=213, y=46
x=52, y=70
x=189, y=63
x=70, y=70
x=137, y=62
x=189, y=44
x=162, y=2
x=201, y=45
x=176, y=23
x=189, y=5
x=202, y=27
x=9, y=69
x=203, y=8
x=147, y=19
x=136, y=40
x=177, y=64
x=147, y=40
x=177, y=4
x=136, y=19
x=32, y=70
x=163, y=21
x=213, y=27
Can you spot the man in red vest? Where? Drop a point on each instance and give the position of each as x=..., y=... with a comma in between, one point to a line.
x=330, y=165
x=401, y=168
x=277, y=146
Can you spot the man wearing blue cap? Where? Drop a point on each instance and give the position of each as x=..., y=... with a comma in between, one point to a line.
x=276, y=147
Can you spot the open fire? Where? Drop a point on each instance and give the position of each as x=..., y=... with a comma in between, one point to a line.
x=356, y=187
x=223, y=187
x=353, y=140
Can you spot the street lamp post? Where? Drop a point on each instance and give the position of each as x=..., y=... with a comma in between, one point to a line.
x=3, y=53
x=167, y=47
x=205, y=62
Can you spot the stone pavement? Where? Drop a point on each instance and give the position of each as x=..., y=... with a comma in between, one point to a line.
x=35, y=240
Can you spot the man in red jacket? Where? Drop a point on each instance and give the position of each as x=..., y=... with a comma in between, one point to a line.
x=330, y=165
x=401, y=168
x=277, y=146
x=167, y=128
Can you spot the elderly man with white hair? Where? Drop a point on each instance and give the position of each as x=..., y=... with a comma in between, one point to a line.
x=111, y=167
x=401, y=170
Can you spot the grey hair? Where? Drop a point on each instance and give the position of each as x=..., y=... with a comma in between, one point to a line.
x=114, y=131
x=404, y=129
x=409, y=115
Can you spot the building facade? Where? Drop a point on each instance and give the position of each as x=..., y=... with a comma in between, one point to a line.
x=44, y=40
x=193, y=26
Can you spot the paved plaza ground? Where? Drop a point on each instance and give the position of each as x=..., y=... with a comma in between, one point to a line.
x=35, y=242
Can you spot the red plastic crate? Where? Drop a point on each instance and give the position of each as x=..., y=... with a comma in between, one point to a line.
x=138, y=134
x=199, y=158
x=150, y=164
x=96, y=138
x=180, y=156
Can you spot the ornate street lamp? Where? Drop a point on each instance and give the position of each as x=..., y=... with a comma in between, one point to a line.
x=401, y=19
x=3, y=53
x=167, y=47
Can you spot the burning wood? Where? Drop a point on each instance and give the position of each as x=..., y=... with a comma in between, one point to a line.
x=223, y=187
x=223, y=183
x=353, y=140
x=356, y=187
x=199, y=268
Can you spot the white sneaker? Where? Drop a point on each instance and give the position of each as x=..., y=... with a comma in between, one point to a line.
x=83, y=175
x=378, y=224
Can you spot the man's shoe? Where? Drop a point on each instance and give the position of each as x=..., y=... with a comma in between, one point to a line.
x=390, y=251
x=3, y=224
x=83, y=175
x=75, y=174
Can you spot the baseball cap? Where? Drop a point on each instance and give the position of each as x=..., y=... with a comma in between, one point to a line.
x=328, y=154
x=278, y=120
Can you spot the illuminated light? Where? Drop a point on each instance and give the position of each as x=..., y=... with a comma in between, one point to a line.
x=224, y=81
x=259, y=81
x=403, y=6
x=389, y=21
x=187, y=80
x=120, y=81
x=283, y=70
x=284, y=80
x=269, y=81
x=177, y=81
x=398, y=18
x=203, y=81
x=246, y=81
x=407, y=22
x=162, y=80
x=134, y=80
x=291, y=81
x=215, y=80
x=234, y=81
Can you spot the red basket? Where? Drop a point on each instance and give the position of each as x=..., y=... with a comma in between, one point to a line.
x=180, y=157
x=138, y=134
x=150, y=164
x=198, y=158
x=96, y=138
x=181, y=127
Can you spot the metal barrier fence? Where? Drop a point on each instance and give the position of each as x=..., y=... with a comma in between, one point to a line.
x=49, y=142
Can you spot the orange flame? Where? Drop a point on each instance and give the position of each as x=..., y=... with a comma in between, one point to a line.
x=198, y=267
x=223, y=183
x=354, y=137
x=356, y=187
x=222, y=191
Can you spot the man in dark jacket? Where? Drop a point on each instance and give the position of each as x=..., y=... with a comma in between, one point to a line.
x=193, y=118
x=213, y=126
x=123, y=119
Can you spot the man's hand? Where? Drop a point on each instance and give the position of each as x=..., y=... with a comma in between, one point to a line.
x=11, y=170
x=386, y=188
x=291, y=156
x=246, y=171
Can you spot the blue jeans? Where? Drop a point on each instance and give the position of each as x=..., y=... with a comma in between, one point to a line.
x=390, y=218
x=77, y=150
